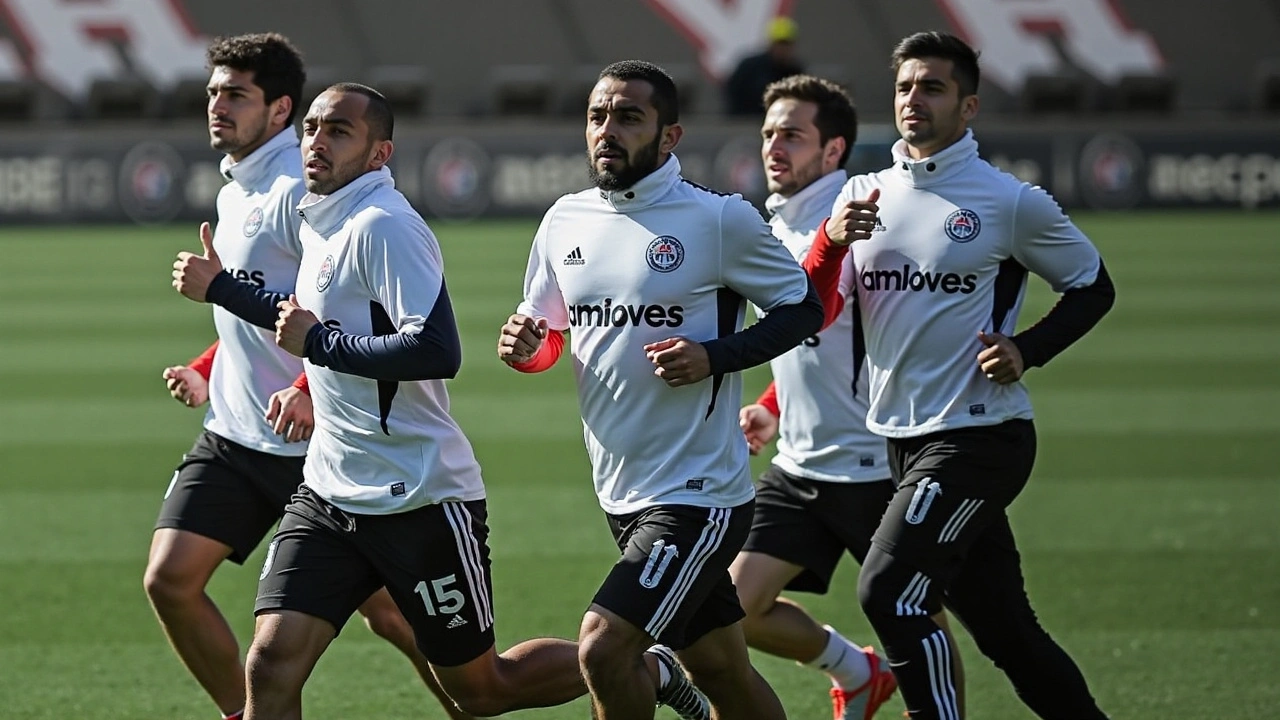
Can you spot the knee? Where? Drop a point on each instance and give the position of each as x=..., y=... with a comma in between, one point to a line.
x=385, y=622
x=167, y=584
x=886, y=592
x=478, y=701
x=604, y=647
x=265, y=665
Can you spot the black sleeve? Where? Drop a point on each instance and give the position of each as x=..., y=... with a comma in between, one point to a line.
x=245, y=300
x=1075, y=313
x=783, y=328
x=433, y=353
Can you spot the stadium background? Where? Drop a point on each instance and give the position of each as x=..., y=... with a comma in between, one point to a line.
x=1149, y=531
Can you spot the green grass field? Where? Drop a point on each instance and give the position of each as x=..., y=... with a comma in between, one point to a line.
x=1149, y=530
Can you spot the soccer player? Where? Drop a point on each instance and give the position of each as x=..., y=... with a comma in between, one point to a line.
x=939, y=284
x=649, y=273
x=828, y=484
x=234, y=483
x=392, y=494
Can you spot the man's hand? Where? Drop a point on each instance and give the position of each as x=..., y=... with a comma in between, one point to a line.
x=520, y=338
x=679, y=361
x=758, y=425
x=855, y=220
x=186, y=385
x=292, y=326
x=290, y=414
x=1000, y=360
x=192, y=273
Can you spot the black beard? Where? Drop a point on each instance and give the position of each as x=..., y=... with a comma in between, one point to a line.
x=637, y=169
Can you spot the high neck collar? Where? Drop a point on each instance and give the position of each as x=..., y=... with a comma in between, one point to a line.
x=257, y=165
x=815, y=197
x=937, y=167
x=647, y=191
x=324, y=213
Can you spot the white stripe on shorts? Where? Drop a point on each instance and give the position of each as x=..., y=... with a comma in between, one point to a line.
x=712, y=535
x=952, y=529
x=469, y=551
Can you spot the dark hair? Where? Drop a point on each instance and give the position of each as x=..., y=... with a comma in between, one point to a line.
x=836, y=116
x=964, y=59
x=275, y=63
x=377, y=114
x=665, y=98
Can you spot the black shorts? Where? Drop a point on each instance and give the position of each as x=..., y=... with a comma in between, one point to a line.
x=229, y=493
x=326, y=562
x=672, y=580
x=952, y=485
x=812, y=523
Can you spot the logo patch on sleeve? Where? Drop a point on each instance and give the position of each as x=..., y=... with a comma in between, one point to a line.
x=397, y=489
x=664, y=254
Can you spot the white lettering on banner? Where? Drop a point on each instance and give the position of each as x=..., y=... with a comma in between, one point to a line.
x=70, y=43
x=724, y=32
x=1246, y=180
x=521, y=181
x=1013, y=36
x=31, y=185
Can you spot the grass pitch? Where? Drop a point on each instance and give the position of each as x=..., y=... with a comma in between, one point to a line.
x=1149, y=530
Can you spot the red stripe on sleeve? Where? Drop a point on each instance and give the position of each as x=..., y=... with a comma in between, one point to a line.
x=302, y=384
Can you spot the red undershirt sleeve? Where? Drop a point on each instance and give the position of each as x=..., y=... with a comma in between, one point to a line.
x=769, y=399
x=204, y=363
x=546, y=356
x=823, y=264
x=302, y=384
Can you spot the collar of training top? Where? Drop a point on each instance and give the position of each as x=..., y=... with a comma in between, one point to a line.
x=325, y=213
x=257, y=166
x=648, y=190
x=816, y=197
x=936, y=168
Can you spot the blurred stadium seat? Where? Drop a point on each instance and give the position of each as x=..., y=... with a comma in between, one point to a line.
x=1267, y=80
x=1146, y=93
x=121, y=98
x=521, y=89
x=319, y=77
x=187, y=99
x=406, y=87
x=837, y=73
x=18, y=100
x=1054, y=93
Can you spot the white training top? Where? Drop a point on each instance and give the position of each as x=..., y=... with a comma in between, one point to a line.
x=664, y=258
x=951, y=259
x=822, y=383
x=371, y=266
x=257, y=240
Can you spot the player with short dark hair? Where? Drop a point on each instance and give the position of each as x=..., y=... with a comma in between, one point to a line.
x=828, y=485
x=233, y=485
x=648, y=272
x=940, y=281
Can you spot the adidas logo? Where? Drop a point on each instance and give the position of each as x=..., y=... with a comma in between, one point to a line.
x=456, y=622
x=575, y=257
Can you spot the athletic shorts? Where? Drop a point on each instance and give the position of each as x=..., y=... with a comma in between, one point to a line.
x=434, y=560
x=672, y=580
x=952, y=485
x=229, y=493
x=812, y=523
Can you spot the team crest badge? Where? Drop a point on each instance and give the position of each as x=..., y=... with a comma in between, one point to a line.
x=664, y=254
x=325, y=276
x=962, y=225
x=253, y=223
